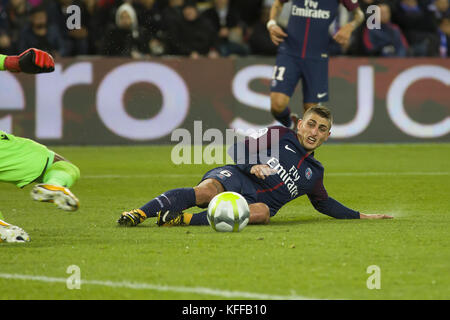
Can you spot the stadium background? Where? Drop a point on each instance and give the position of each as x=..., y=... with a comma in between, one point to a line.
x=301, y=254
x=91, y=102
x=223, y=80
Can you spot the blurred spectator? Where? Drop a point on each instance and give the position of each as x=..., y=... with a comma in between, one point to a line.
x=77, y=40
x=192, y=35
x=172, y=13
x=35, y=3
x=123, y=38
x=93, y=19
x=249, y=10
x=13, y=18
x=418, y=24
x=221, y=27
x=150, y=20
x=227, y=26
x=443, y=49
x=259, y=40
x=149, y=15
x=441, y=8
x=203, y=5
x=41, y=35
x=364, y=4
x=387, y=41
x=6, y=46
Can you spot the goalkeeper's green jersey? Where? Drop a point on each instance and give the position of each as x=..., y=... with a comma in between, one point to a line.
x=22, y=160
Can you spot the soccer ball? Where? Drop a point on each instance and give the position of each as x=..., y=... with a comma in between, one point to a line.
x=228, y=212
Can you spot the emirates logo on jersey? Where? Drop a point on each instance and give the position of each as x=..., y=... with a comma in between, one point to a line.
x=288, y=177
x=311, y=11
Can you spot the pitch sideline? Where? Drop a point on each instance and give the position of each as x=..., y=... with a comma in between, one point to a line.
x=156, y=287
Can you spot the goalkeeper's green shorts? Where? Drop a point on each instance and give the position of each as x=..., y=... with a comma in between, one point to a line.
x=22, y=160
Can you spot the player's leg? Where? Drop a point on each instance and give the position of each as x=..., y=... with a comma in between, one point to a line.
x=205, y=191
x=284, y=80
x=259, y=213
x=61, y=173
x=55, y=182
x=23, y=161
x=218, y=180
x=279, y=108
x=169, y=206
x=314, y=82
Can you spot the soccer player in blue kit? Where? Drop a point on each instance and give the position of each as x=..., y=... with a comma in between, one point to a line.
x=281, y=173
x=303, y=52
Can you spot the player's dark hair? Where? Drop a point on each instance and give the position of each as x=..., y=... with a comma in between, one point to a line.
x=321, y=111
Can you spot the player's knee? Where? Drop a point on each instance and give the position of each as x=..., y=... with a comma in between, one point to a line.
x=278, y=102
x=206, y=191
x=259, y=213
x=76, y=171
x=73, y=170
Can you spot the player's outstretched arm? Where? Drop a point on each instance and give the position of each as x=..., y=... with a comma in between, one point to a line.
x=325, y=204
x=30, y=61
x=374, y=216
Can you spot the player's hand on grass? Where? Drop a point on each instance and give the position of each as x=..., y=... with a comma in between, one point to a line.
x=374, y=216
x=31, y=61
x=277, y=34
x=262, y=171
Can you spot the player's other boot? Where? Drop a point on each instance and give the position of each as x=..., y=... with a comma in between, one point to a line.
x=168, y=218
x=60, y=196
x=10, y=233
x=132, y=218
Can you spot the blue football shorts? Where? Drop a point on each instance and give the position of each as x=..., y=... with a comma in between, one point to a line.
x=233, y=179
x=313, y=73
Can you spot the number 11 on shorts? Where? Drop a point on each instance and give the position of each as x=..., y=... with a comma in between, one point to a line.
x=278, y=73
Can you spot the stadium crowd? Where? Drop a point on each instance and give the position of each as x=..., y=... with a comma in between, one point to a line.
x=213, y=28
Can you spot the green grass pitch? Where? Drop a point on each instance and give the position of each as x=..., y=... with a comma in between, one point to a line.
x=300, y=254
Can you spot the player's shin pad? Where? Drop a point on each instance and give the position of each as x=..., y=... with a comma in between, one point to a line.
x=61, y=173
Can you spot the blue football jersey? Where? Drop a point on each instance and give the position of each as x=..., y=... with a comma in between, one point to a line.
x=308, y=26
x=296, y=173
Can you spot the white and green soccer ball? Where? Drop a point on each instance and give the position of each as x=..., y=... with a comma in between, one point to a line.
x=228, y=212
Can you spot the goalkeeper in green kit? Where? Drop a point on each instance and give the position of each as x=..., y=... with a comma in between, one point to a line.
x=24, y=161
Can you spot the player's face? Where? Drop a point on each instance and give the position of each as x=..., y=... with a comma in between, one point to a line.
x=312, y=131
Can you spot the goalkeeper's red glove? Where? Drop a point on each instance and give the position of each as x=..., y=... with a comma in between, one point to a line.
x=31, y=61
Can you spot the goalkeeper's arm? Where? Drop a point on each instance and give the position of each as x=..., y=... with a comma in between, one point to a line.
x=29, y=61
